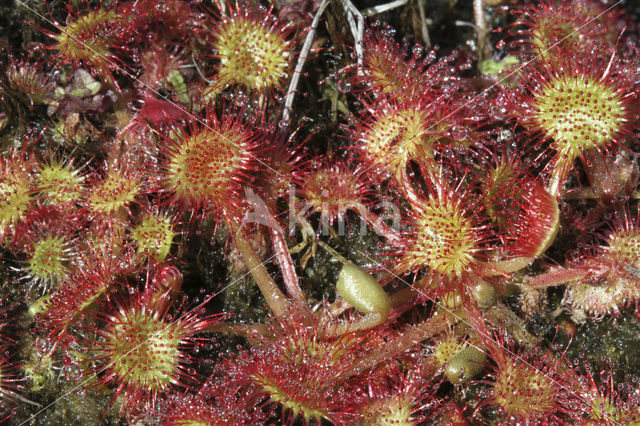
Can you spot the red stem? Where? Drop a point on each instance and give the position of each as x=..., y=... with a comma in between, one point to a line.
x=287, y=266
x=556, y=277
x=276, y=299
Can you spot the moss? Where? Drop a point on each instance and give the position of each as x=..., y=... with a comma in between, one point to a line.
x=243, y=297
x=356, y=242
x=61, y=401
x=611, y=343
x=72, y=407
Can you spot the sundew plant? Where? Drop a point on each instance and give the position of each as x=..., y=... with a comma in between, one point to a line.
x=320, y=212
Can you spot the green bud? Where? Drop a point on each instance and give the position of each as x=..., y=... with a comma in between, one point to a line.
x=177, y=81
x=465, y=364
x=484, y=294
x=491, y=67
x=362, y=291
x=39, y=306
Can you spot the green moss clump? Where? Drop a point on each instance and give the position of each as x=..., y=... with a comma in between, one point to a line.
x=613, y=343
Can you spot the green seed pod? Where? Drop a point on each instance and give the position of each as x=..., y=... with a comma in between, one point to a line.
x=465, y=364
x=484, y=294
x=362, y=291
